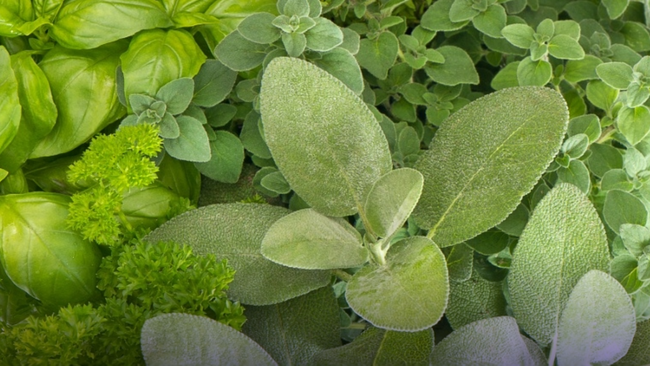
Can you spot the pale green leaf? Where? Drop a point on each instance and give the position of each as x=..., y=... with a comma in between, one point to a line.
x=86, y=24
x=301, y=339
x=259, y=28
x=487, y=342
x=598, y=323
x=235, y=232
x=563, y=240
x=615, y=74
x=184, y=339
x=156, y=57
x=415, y=269
x=323, y=138
x=635, y=238
x=309, y=240
x=379, y=347
x=192, y=144
x=565, y=48
x=473, y=300
x=10, y=111
x=392, y=199
x=177, y=95
x=634, y=123
x=485, y=158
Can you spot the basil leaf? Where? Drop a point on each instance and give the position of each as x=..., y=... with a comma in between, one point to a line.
x=10, y=110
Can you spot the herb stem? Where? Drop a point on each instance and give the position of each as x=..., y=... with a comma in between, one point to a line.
x=342, y=275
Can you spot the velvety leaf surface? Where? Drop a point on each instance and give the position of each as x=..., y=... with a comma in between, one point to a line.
x=598, y=323
x=156, y=57
x=40, y=255
x=415, y=269
x=488, y=342
x=84, y=90
x=235, y=232
x=639, y=352
x=392, y=199
x=282, y=331
x=310, y=240
x=184, y=339
x=484, y=158
x=473, y=300
x=323, y=138
x=563, y=240
x=10, y=111
x=379, y=347
x=87, y=24
x=38, y=112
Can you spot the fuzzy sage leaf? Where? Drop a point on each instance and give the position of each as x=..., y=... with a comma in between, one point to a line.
x=484, y=158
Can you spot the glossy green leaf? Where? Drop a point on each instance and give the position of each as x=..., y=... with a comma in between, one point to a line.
x=563, y=240
x=235, y=232
x=623, y=208
x=458, y=68
x=181, y=177
x=597, y=324
x=181, y=339
x=84, y=90
x=415, y=269
x=86, y=24
x=156, y=57
x=512, y=133
x=213, y=83
x=333, y=163
x=473, y=300
x=40, y=255
x=379, y=347
x=489, y=342
x=392, y=199
x=301, y=340
x=534, y=73
x=378, y=55
x=192, y=144
x=227, y=158
x=10, y=111
x=639, y=352
x=309, y=240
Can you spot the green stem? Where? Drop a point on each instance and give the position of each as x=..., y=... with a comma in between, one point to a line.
x=342, y=275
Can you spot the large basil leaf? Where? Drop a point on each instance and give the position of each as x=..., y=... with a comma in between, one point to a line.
x=485, y=158
x=324, y=139
x=40, y=255
x=17, y=18
x=156, y=57
x=84, y=90
x=85, y=24
x=38, y=111
x=301, y=339
x=175, y=339
x=415, y=269
x=15, y=304
x=563, y=240
x=487, y=342
x=47, y=9
x=235, y=232
x=9, y=102
x=379, y=347
x=598, y=323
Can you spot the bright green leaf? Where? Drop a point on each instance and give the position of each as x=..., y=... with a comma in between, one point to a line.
x=10, y=111
x=580, y=70
x=565, y=48
x=634, y=123
x=520, y=35
x=463, y=193
x=309, y=240
x=616, y=74
x=333, y=163
x=415, y=269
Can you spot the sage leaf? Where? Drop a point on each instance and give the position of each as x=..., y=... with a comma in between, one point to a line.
x=235, y=232
x=512, y=133
x=309, y=240
x=563, y=240
x=87, y=24
x=180, y=339
x=639, y=352
x=327, y=143
x=301, y=340
x=227, y=158
x=392, y=199
x=10, y=110
x=156, y=57
x=192, y=144
x=598, y=323
x=489, y=342
x=623, y=208
x=473, y=300
x=213, y=83
x=84, y=108
x=379, y=347
x=40, y=254
x=415, y=269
